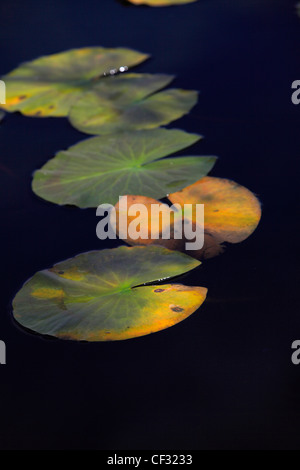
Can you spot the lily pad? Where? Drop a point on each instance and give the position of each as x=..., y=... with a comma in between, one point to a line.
x=151, y=224
x=100, y=169
x=50, y=85
x=123, y=103
x=97, y=296
x=160, y=3
x=231, y=214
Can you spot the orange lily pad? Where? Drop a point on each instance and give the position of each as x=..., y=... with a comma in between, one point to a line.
x=231, y=214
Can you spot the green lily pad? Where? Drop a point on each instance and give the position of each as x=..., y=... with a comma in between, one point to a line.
x=160, y=3
x=97, y=296
x=123, y=103
x=49, y=85
x=100, y=169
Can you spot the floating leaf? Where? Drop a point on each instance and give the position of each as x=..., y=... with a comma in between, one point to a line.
x=154, y=222
x=95, y=296
x=49, y=85
x=160, y=3
x=231, y=214
x=100, y=169
x=122, y=103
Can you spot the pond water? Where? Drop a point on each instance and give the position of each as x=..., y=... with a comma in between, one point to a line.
x=223, y=378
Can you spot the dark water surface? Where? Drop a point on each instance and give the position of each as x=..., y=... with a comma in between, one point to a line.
x=223, y=378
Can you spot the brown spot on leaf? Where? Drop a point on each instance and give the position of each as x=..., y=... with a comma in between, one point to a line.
x=159, y=290
x=177, y=309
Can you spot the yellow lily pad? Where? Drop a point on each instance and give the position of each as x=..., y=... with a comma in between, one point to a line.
x=102, y=296
x=50, y=85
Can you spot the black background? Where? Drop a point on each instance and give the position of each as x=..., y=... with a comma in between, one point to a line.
x=223, y=378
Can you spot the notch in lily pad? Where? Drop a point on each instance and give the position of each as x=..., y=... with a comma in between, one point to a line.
x=104, y=296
